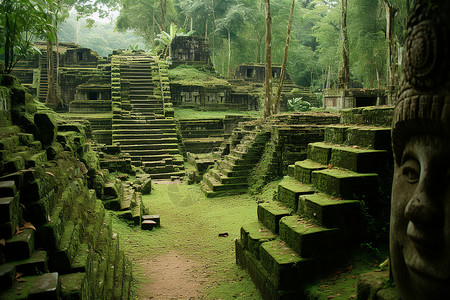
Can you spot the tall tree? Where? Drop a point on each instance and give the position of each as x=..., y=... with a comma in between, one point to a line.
x=268, y=62
x=344, y=78
x=276, y=106
x=392, y=55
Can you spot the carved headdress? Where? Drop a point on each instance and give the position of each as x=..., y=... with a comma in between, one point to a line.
x=423, y=102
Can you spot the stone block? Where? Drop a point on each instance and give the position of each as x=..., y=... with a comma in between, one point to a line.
x=20, y=246
x=47, y=286
x=7, y=275
x=17, y=177
x=286, y=267
x=319, y=152
x=36, y=160
x=373, y=138
x=359, y=160
x=7, y=230
x=303, y=170
x=14, y=164
x=308, y=239
x=146, y=187
x=289, y=191
x=37, y=212
x=9, y=207
x=270, y=214
x=47, y=128
x=148, y=225
x=61, y=259
x=336, y=134
x=154, y=218
x=376, y=285
x=331, y=212
x=26, y=138
x=35, y=265
x=72, y=285
x=341, y=183
x=253, y=235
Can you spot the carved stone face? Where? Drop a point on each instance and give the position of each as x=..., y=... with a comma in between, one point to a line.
x=420, y=219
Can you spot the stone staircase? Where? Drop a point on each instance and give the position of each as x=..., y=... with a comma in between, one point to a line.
x=43, y=82
x=229, y=176
x=142, y=128
x=317, y=217
x=66, y=248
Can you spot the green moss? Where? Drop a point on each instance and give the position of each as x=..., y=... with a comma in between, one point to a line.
x=186, y=113
x=189, y=75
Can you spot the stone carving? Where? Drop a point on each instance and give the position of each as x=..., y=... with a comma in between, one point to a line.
x=420, y=212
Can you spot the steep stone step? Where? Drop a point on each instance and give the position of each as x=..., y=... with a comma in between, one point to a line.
x=137, y=141
x=226, y=179
x=126, y=148
x=140, y=126
x=45, y=286
x=10, y=212
x=253, y=235
x=159, y=152
x=320, y=152
x=308, y=239
x=73, y=286
x=303, y=170
x=346, y=184
x=270, y=214
x=35, y=265
x=20, y=246
x=168, y=175
x=289, y=191
x=216, y=186
x=331, y=212
x=359, y=160
x=61, y=259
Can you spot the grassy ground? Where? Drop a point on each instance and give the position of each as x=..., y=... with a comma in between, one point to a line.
x=187, y=113
x=190, y=225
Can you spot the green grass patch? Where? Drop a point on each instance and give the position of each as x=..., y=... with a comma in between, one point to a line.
x=189, y=75
x=190, y=226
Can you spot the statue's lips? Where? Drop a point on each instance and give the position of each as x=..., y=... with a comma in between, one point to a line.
x=424, y=254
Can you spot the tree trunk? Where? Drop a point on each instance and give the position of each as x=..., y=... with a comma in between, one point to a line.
x=163, y=5
x=268, y=61
x=258, y=49
x=328, y=77
x=276, y=105
x=51, y=95
x=229, y=52
x=344, y=78
x=206, y=29
x=392, y=45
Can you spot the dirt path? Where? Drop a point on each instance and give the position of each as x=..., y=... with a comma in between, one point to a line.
x=174, y=277
x=186, y=258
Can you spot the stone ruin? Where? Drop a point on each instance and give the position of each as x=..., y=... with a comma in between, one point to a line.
x=354, y=97
x=190, y=50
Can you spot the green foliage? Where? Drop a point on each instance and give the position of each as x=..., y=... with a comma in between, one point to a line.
x=21, y=22
x=297, y=104
x=189, y=75
x=164, y=39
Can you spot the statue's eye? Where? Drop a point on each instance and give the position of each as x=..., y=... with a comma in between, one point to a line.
x=411, y=170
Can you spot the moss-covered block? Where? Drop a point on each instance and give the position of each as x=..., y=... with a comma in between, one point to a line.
x=286, y=267
x=62, y=258
x=270, y=214
x=35, y=265
x=50, y=233
x=253, y=235
x=7, y=276
x=37, y=212
x=47, y=127
x=289, y=191
x=8, y=188
x=346, y=184
x=359, y=160
x=331, y=212
x=319, y=152
x=9, y=208
x=304, y=168
x=308, y=239
x=20, y=246
x=72, y=285
x=336, y=134
x=370, y=137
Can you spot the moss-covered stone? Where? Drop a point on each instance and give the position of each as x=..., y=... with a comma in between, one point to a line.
x=320, y=152
x=289, y=191
x=253, y=235
x=373, y=138
x=304, y=168
x=309, y=239
x=47, y=127
x=359, y=160
x=270, y=213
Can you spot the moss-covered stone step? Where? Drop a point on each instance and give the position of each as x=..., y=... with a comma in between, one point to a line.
x=144, y=146
x=212, y=194
x=229, y=165
x=287, y=269
x=270, y=214
x=308, y=239
x=232, y=173
x=226, y=179
x=73, y=286
x=7, y=275
x=346, y=184
x=320, y=152
x=61, y=259
x=217, y=186
x=45, y=286
x=359, y=160
x=143, y=126
x=168, y=175
x=370, y=137
x=289, y=191
x=80, y=260
x=20, y=246
x=49, y=234
x=35, y=265
x=37, y=212
x=8, y=188
x=138, y=140
x=253, y=235
x=147, y=136
x=136, y=153
x=303, y=170
x=331, y=212
x=336, y=134
x=10, y=211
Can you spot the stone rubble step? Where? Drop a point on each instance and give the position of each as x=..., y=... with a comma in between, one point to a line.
x=319, y=152
x=253, y=235
x=20, y=246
